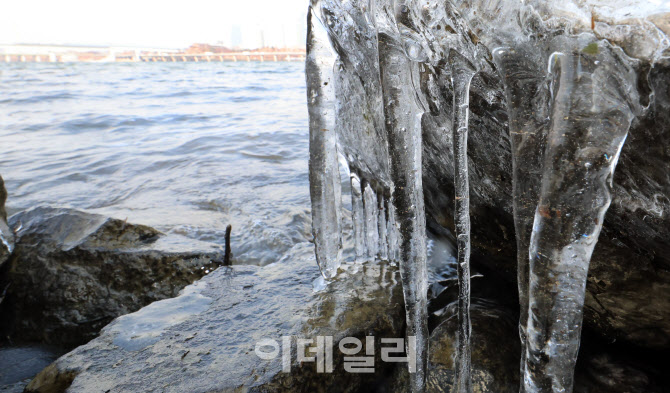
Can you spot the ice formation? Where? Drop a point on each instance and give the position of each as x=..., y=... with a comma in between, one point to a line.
x=385, y=75
x=140, y=329
x=358, y=217
x=462, y=72
x=324, y=173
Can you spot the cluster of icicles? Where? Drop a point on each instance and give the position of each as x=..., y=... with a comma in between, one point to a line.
x=570, y=104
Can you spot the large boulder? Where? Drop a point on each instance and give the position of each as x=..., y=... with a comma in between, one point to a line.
x=72, y=272
x=205, y=339
x=629, y=278
x=6, y=235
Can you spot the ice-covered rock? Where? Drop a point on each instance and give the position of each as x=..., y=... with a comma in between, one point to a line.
x=562, y=91
x=207, y=338
x=72, y=272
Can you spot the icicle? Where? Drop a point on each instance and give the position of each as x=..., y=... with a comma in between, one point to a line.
x=358, y=218
x=392, y=233
x=403, y=128
x=527, y=108
x=590, y=118
x=383, y=240
x=462, y=72
x=324, y=174
x=371, y=222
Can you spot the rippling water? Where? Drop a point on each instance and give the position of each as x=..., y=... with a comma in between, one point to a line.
x=184, y=147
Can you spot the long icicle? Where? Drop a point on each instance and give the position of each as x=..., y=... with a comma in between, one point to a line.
x=324, y=172
x=527, y=107
x=383, y=236
x=358, y=218
x=392, y=233
x=462, y=72
x=403, y=128
x=591, y=114
x=371, y=209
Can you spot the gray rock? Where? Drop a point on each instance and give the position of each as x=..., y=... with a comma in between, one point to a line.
x=495, y=349
x=602, y=372
x=204, y=340
x=6, y=235
x=73, y=272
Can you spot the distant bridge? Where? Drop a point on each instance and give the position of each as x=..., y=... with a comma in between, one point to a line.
x=57, y=53
x=237, y=56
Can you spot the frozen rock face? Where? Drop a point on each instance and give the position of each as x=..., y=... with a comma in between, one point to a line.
x=562, y=92
x=6, y=235
x=72, y=272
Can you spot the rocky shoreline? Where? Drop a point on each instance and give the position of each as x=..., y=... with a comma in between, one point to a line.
x=139, y=310
x=72, y=272
x=205, y=338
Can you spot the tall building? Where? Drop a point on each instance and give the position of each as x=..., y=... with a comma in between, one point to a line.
x=236, y=36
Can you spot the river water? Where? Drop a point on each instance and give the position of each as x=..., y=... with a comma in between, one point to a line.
x=186, y=148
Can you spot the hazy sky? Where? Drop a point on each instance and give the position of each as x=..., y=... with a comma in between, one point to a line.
x=162, y=23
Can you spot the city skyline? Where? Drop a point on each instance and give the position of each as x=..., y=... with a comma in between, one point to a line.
x=150, y=23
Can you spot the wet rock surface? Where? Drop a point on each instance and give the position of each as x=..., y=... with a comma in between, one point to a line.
x=6, y=235
x=602, y=371
x=72, y=272
x=204, y=340
x=495, y=349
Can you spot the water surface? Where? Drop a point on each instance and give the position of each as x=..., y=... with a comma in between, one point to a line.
x=183, y=147
x=186, y=148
